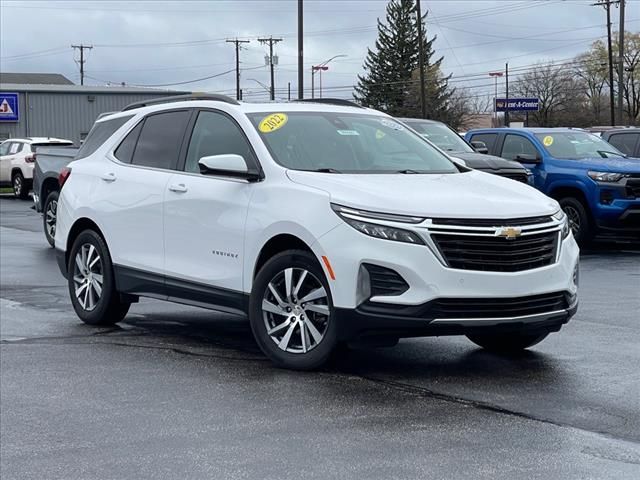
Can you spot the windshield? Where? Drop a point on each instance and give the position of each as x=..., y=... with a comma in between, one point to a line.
x=577, y=145
x=347, y=143
x=441, y=136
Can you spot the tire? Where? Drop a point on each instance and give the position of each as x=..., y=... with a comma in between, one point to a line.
x=507, y=343
x=293, y=333
x=20, y=187
x=579, y=219
x=49, y=213
x=94, y=304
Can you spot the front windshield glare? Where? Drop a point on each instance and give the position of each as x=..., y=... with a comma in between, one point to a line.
x=347, y=143
x=441, y=136
x=577, y=145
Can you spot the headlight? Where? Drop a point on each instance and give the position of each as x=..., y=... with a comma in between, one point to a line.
x=358, y=220
x=605, y=176
x=562, y=218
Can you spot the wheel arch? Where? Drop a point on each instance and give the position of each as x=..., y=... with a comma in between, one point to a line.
x=49, y=184
x=564, y=191
x=276, y=244
x=80, y=225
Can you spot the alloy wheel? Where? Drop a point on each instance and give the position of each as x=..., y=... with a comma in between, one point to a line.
x=17, y=185
x=295, y=310
x=574, y=219
x=87, y=276
x=50, y=217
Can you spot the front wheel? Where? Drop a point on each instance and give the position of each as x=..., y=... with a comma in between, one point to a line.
x=507, y=343
x=49, y=217
x=91, y=282
x=578, y=218
x=291, y=311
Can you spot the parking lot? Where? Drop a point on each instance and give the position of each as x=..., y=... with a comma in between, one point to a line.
x=177, y=391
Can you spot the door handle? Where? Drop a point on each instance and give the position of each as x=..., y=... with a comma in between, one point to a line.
x=109, y=177
x=178, y=188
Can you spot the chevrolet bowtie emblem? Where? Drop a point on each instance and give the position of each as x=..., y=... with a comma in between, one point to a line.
x=509, y=233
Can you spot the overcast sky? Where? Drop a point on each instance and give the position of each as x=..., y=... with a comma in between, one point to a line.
x=163, y=42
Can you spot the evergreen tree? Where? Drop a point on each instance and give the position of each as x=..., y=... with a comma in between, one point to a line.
x=391, y=80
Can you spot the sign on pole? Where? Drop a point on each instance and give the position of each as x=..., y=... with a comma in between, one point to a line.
x=518, y=104
x=9, y=110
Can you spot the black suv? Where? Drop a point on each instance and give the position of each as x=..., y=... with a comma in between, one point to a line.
x=447, y=139
x=627, y=140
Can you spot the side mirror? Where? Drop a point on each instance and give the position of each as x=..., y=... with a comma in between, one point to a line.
x=228, y=165
x=527, y=158
x=479, y=146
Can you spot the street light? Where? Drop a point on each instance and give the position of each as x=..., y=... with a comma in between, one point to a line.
x=320, y=68
x=495, y=75
x=261, y=84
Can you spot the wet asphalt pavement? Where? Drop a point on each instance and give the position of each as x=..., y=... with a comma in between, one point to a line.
x=179, y=392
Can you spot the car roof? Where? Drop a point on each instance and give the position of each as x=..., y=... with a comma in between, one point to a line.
x=533, y=130
x=32, y=140
x=418, y=120
x=246, y=108
x=622, y=130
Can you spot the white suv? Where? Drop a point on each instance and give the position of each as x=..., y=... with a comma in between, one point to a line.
x=323, y=222
x=17, y=159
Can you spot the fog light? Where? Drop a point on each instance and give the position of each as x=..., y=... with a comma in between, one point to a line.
x=576, y=275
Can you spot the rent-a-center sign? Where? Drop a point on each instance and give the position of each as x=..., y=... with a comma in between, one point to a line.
x=518, y=104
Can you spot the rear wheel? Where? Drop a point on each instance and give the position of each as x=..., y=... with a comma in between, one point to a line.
x=20, y=187
x=91, y=282
x=507, y=343
x=578, y=218
x=291, y=311
x=49, y=217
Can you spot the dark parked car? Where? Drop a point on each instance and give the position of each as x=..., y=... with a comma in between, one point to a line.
x=447, y=139
x=627, y=140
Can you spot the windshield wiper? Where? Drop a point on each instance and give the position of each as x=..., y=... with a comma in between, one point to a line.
x=605, y=154
x=325, y=170
x=408, y=170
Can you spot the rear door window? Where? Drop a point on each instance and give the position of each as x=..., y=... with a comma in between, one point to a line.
x=100, y=132
x=4, y=148
x=488, y=138
x=160, y=140
x=625, y=142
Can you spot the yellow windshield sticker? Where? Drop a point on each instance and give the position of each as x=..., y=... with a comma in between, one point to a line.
x=548, y=141
x=272, y=122
x=380, y=134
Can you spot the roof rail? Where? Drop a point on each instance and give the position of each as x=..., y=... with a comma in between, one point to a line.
x=331, y=101
x=181, y=98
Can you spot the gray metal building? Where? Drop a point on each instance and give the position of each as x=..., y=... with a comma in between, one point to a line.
x=66, y=111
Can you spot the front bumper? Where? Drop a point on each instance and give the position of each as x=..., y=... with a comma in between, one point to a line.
x=362, y=323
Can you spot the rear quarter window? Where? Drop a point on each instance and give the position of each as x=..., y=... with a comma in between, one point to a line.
x=100, y=132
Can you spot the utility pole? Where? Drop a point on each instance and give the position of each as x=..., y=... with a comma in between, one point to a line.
x=506, y=105
x=495, y=75
x=300, y=52
x=607, y=6
x=271, y=42
x=423, y=103
x=621, y=66
x=237, y=44
x=82, y=48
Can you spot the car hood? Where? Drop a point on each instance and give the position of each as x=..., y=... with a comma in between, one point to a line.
x=486, y=162
x=472, y=194
x=618, y=165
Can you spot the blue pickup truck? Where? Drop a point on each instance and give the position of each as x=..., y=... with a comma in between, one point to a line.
x=597, y=186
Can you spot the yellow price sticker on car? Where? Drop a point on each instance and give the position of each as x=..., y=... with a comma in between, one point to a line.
x=272, y=122
x=547, y=141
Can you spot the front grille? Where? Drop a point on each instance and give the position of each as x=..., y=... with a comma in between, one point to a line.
x=492, y=222
x=498, y=307
x=497, y=254
x=633, y=188
x=385, y=281
x=519, y=177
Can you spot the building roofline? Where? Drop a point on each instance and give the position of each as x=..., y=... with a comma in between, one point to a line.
x=86, y=89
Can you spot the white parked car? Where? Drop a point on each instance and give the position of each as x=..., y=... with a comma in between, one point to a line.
x=323, y=222
x=17, y=158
